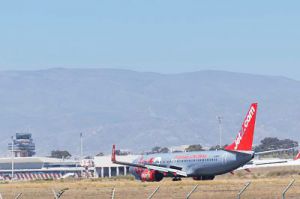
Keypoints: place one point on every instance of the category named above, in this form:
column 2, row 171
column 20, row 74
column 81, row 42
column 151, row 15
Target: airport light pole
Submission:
column 220, row 130
column 81, row 146
column 12, row 158
column 81, row 152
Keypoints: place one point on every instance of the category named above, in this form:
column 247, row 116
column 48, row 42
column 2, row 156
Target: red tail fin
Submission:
column 113, row 154
column 297, row 156
column 244, row 139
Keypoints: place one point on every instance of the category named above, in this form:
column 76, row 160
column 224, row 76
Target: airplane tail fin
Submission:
column 297, row 156
column 113, row 154
column 244, row 139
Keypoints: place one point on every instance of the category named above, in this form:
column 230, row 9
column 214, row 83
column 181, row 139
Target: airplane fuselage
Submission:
column 196, row 164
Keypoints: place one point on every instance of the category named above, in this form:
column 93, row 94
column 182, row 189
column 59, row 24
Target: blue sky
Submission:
column 169, row 36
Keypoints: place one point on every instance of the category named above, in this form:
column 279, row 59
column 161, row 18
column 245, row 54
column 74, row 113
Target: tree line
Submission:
column 267, row 144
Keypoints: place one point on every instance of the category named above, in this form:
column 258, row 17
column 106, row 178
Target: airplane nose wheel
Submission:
column 176, row 179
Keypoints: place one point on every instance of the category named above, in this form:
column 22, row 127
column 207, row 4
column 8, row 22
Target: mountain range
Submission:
column 140, row 110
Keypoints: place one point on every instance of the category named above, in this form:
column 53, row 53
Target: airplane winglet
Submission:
column 113, row 154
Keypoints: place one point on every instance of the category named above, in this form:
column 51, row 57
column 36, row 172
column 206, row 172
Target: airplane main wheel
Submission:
column 176, row 179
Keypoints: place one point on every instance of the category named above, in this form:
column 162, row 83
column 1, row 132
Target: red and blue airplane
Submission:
column 200, row 165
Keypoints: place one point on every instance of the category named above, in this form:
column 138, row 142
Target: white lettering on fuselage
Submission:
column 244, row 128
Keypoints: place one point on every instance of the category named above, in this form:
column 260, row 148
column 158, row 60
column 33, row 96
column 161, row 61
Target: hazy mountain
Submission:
column 138, row 110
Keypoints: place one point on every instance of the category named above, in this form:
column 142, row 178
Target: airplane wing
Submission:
column 161, row 169
column 263, row 163
column 167, row 170
column 271, row 163
column 272, row 151
column 268, row 162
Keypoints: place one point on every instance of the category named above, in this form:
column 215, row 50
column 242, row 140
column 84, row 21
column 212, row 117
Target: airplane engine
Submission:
column 204, row 177
column 151, row 176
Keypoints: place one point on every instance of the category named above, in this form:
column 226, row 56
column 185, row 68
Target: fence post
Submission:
column 18, row 196
column 60, row 193
column 191, row 192
column 153, row 193
column 287, row 188
column 113, row 193
column 243, row 190
column 1, row 196
column 54, row 193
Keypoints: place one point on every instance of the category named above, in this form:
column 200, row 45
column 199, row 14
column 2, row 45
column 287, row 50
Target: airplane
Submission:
column 200, row 165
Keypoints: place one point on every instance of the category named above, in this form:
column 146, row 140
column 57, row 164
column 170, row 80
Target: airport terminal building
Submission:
column 103, row 167
column 23, row 165
column 35, row 168
column 44, row 168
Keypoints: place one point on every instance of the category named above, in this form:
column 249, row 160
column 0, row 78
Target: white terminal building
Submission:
column 103, row 167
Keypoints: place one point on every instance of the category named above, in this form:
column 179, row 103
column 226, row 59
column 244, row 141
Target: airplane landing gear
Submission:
column 176, row 179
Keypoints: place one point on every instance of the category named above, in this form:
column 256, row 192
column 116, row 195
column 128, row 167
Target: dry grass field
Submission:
column 266, row 184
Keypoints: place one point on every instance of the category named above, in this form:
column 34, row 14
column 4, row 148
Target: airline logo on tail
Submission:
column 249, row 117
column 244, row 139
column 245, row 126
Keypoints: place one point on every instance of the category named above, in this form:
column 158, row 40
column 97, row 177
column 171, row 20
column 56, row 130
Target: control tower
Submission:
column 23, row 145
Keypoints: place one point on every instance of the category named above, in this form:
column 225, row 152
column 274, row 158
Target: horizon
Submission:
column 146, row 71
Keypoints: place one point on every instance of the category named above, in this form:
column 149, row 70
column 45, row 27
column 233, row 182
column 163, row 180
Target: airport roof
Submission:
column 21, row 163
column 34, row 160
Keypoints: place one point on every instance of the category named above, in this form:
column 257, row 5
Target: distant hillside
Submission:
column 138, row 110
